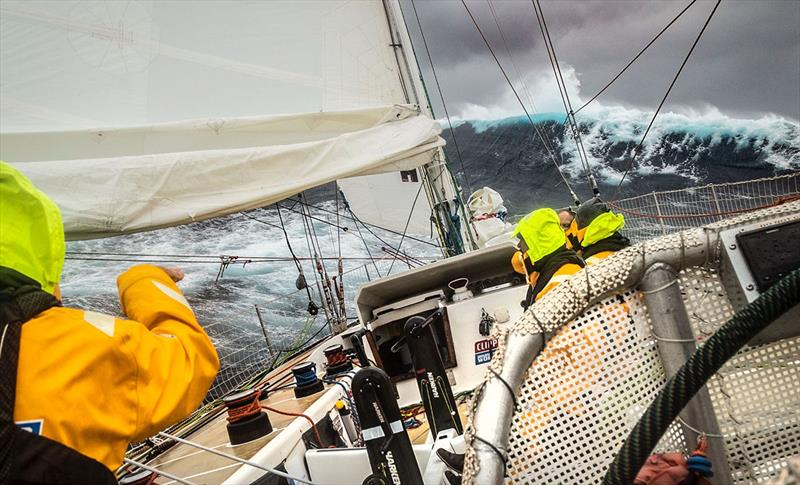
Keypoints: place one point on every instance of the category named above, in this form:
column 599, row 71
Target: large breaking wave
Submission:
column 681, row 150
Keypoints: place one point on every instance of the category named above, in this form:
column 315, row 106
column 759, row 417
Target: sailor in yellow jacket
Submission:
column 595, row 232
column 543, row 256
column 90, row 381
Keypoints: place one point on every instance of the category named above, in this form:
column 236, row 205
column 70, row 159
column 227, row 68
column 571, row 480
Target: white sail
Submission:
column 149, row 178
column 75, row 73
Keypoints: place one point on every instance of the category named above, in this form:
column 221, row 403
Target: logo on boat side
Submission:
column 484, row 350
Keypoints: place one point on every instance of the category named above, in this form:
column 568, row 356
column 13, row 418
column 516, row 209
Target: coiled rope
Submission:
column 703, row 364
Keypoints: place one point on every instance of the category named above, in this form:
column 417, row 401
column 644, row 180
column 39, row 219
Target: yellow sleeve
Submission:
column 176, row 361
column 560, row 275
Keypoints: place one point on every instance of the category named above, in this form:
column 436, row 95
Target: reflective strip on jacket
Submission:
column 596, row 258
column 98, row 383
column 561, row 274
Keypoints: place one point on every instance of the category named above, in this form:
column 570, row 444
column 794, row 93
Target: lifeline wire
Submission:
column 236, row 458
column 655, row 115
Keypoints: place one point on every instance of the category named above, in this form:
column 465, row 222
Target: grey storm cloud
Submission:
column 747, row 63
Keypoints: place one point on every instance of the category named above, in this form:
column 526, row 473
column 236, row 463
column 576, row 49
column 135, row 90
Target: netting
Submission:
column 244, row 349
column 598, row 372
column 660, row 213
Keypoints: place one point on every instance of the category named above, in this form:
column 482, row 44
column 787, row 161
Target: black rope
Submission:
column 360, row 235
column 301, row 276
column 444, row 104
column 637, row 56
column 494, row 448
column 519, row 100
column 282, row 227
column 692, row 376
column 664, row 99
column 508, row 386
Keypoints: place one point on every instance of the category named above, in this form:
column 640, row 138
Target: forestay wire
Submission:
column 519, row 100
column 562, row 91
column 629, row 64
column 441, row 96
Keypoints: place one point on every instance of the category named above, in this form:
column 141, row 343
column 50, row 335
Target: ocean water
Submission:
column 681, row 151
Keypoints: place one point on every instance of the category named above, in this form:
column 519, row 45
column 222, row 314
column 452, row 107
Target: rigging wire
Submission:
column 361, row 235
column 444, row 104
column 511, row 57
column 340, row 269
column 514, row 90
column 652, row 41
column 313, row 254
column 664, row 99
column 405, row 229
column 366, row 225
column 545, row 141
column 562, row 90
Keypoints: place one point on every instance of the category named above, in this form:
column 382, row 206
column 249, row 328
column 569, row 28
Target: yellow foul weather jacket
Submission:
column 97, row 383
column 544, row 240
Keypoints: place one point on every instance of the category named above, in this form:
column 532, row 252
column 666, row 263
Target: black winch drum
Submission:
column 250, row 428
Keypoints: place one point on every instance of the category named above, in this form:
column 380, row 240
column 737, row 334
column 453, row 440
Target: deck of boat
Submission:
column 194, row 464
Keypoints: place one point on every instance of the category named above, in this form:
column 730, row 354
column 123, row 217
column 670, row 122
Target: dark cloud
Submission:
column 747, row 63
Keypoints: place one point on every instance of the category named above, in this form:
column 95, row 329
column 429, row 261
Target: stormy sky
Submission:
column 747, row 63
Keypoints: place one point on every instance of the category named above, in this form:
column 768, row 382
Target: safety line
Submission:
column 156, row 470
column 235, row 458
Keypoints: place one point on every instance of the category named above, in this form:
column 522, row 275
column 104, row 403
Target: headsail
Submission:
column 103, row 84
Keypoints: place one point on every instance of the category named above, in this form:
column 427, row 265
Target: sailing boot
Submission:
column 454, row 461
column 452, row 478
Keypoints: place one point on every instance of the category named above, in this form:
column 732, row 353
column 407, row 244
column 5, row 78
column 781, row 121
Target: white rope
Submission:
column 675, row 340
column 699, row 431
column 155, row 470
column 236, row 458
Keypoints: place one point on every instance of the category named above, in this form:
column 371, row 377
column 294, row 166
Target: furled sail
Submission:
column 92, row 91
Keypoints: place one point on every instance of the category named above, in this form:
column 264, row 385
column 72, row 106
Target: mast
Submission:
column 443, row 192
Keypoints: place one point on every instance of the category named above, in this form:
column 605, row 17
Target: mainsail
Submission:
column 93, row 94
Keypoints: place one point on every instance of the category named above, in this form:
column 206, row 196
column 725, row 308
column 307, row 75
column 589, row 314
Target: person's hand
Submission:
column 174, row 272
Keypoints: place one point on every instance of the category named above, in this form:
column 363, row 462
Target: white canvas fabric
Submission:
column 104, row 84
column 143, row 186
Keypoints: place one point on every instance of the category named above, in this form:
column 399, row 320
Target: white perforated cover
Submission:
column 599, row 371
